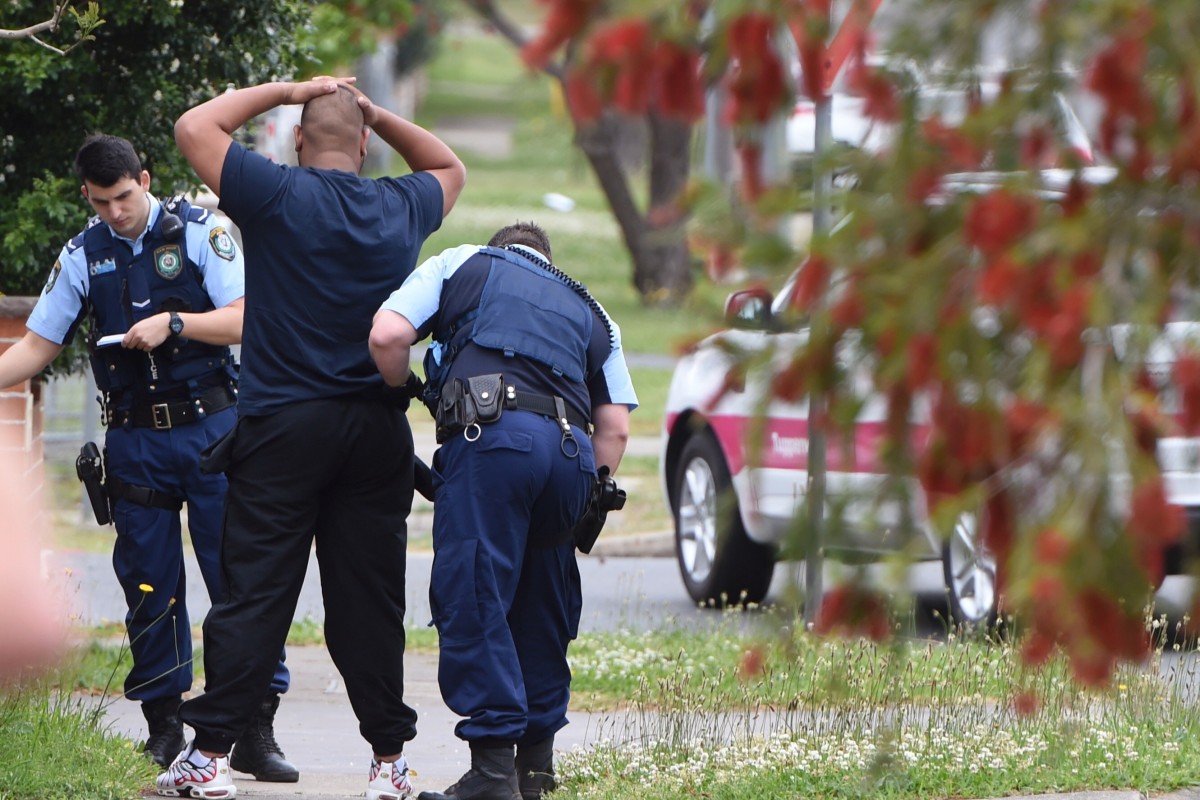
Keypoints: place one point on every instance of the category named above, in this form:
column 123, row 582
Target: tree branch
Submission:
column 33, row 30
column 509, row 30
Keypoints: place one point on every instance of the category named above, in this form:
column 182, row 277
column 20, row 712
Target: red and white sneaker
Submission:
column 389, row 781
column 187, row 779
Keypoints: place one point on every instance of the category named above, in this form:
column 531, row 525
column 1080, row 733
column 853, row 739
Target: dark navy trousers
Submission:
column 148, row 553
column 506, row 607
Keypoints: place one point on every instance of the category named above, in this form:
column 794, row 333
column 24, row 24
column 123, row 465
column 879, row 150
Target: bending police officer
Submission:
column 523, row 363
column 169, row 283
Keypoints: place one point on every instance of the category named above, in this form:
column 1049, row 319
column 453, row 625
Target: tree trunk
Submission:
column 657, row 243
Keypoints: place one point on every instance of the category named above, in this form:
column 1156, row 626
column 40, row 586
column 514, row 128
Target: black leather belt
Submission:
column 544, row 405
column 164, row 416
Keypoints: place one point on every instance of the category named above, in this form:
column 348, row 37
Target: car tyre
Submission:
column 719, row 563
column 969, row 569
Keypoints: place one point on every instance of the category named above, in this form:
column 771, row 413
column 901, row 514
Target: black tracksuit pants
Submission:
column 339, row 471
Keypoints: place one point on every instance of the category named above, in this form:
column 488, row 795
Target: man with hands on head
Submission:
column 164, row 283
column 322, row 450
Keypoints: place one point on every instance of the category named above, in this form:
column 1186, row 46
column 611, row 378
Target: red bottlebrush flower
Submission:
column 1187, row 380
column 1051, row 547
column 958, row 152
column 877, row 91
column 1086, row 264
column 752, row 663
column 734, row 381
column 789, row 384
column 1000, row 280
column 1026, row 704
column 678, row 90
column 1151, row 517
column 1116, row 76
column 565, row 20
column 1077, row 197
column 999, row 526
column 922, row 184
column 1102, row 615
column 1093, row 668
column 853, row 611
column 811, row 284
column 582, row 98
column 850, row 310
column 720, row 262
column 1064, row 337
column 750, row 157
column 756, row 84
column 939, row 476
column 899, row 406
column 998, row 219
column 1047, row 591
column 1151, row 558
column 1024, row 419
column 1036, row 649
column 922, row 360
column 1036, row 148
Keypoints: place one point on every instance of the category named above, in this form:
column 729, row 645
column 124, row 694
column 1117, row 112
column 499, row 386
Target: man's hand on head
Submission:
column 301, row 93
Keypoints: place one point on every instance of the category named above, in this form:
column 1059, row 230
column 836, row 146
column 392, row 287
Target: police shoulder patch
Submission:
column 168, row 261
column 54, row 272
column 222, row 243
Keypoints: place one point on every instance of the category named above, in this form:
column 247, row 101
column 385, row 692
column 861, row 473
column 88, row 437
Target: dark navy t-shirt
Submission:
column 323, row 249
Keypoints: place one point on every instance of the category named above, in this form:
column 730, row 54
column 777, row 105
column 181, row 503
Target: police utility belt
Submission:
column 464, row 406
column 171, row 414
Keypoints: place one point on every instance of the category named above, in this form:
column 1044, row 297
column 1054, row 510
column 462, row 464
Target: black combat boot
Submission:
column 165, row 738
column 535, row 769
column 256, row 751
column 492, row 776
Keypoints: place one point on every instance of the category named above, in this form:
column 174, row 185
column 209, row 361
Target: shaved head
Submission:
column 333, row 121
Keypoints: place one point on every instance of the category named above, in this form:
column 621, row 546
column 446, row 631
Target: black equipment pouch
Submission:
column 218, row 456
column 606, row 497
column 464, row 407
column 485, row 392
column 89, row 467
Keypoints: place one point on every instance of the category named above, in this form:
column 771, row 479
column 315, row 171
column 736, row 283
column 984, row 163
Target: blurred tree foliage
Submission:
column 149, row 62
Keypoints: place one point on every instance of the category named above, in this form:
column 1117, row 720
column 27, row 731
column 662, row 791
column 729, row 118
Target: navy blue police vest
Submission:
column 524, row 309
column 124, row 289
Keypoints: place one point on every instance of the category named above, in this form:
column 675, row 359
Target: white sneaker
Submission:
column 185, row 779
column 389, row 781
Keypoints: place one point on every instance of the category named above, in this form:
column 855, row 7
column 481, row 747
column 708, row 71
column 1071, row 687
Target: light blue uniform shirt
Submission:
column 64, row 298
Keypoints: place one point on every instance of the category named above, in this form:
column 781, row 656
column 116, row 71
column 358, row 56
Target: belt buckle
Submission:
column 160, row 414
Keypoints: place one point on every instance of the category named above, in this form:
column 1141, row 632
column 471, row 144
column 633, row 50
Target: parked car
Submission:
column 734, row 500
column 851, row 128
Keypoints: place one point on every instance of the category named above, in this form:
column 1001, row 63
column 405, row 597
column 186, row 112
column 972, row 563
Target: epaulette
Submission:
column 77, row 241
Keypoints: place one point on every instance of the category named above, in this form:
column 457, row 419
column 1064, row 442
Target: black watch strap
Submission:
column 176, row 323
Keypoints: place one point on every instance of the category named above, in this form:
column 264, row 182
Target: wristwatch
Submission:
column 176, row 323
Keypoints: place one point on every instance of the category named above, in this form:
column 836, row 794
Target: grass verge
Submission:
column 719, row 714
column 54, row 747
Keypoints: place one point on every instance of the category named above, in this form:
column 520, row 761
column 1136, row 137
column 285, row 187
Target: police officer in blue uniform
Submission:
column 162, row 289
column 524, row 365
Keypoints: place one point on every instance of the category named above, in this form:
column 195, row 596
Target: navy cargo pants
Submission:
column 506, row 606
column 149, row 548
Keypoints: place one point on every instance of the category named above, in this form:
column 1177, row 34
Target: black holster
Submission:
column 606, row 497
column 89, row 467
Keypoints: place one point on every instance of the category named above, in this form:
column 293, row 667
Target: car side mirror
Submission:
column 749, row 309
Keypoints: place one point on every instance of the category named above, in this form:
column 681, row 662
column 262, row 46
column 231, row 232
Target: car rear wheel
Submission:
column 719, row 563
column 970, row 573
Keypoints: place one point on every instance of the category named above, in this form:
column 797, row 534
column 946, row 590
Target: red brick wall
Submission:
column 21, row 410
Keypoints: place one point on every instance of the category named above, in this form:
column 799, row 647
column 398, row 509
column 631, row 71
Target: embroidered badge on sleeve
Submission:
column 222, row 243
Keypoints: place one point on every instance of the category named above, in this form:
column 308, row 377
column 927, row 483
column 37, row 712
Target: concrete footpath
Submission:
column 317, row 730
